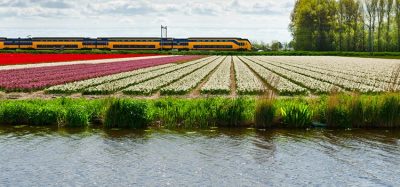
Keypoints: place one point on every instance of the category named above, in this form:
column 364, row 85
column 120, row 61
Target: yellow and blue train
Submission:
column 126, row 43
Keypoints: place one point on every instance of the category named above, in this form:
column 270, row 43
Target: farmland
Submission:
column 213, row 75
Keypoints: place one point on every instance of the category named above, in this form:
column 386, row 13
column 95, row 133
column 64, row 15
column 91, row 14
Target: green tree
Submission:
column 397, row 11
column 276, row 46
column 389, row 9
column 313, row 24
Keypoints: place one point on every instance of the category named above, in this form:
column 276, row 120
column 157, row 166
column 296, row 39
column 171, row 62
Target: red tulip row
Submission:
column 41, row 77
column 23, row 58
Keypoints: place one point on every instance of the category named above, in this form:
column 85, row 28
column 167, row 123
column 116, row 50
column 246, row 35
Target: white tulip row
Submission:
column 337, row 80
column 356, row 82
column 311, row 83
column 373, row 72
column 190, row 81
column 152, row 85
column 80, row 85
column 282, row 85
column 113, row 86
column 246, row 81
column 220, row 80
column 355, row 76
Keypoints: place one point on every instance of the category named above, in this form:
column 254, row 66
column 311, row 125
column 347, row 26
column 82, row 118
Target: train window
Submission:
column 134, row 46
column 213, row 46
column 57, row 46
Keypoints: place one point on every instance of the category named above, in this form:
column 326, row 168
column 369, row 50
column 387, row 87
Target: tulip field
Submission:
column 209, row 75
column 23, row 58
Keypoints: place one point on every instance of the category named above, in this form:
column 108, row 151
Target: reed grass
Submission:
column 265, row 112
column 201, row 113
column 124, row 113
column 296, row 114
column 335, row 111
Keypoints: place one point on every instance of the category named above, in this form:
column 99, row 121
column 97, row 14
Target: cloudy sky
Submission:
column 261, row 20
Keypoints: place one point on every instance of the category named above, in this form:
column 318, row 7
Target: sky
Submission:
column 257, row 20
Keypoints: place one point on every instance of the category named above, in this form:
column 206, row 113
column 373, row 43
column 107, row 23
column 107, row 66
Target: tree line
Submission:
column 346, row 25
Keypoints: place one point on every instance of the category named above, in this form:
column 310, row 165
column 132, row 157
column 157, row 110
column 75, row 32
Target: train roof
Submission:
column 216, row 38
column 122, row 38
column 58, row 38
column 125, row 38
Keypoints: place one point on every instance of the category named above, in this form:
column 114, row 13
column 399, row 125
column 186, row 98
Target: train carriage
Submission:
column 2, row 43
column 238, row 44
column 126, row 43
column 133, row 43
column 57, row 43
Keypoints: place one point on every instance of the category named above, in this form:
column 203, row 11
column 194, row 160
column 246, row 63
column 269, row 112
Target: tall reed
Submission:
column 265, row 112
column 124, row 113
column 296, row 114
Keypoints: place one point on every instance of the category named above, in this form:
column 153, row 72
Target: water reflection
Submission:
column 40, row 156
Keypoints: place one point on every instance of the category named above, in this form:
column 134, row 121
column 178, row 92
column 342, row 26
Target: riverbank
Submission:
column 386, row 55
column 334, row 111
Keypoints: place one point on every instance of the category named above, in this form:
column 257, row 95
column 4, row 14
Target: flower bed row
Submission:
column 38, row 78
column 220, row 80
column 152, row 85
column 24, row 58
column 187, row 83
column 246, row 81
column 281, row 85
column 113, row 86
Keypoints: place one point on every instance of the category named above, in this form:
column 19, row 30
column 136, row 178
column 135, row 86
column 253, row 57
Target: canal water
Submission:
column 39, row 156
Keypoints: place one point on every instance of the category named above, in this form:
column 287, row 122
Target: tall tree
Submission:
column 351, row 16
column 381, row 16
column 389, row 8
column 371, row 8
column 340, row 25
column 397, row 11
column 363, row 27
column 313, row 23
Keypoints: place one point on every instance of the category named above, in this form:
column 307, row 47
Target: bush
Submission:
column 127, row 114
column 265, row 113
column 47, row 115
column 17, row 114
column 390, row 111
column 231, row 112
column 77, row 116
column 297, row 115
column 201, row 113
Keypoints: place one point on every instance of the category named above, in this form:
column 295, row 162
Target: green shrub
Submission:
column 231, row 112
column 77, row 116
column 201, row 113
column 127, row 114
column 47, row 115
column 17, row 114
column 296, row 114
column 265, row 113
column 390, row 111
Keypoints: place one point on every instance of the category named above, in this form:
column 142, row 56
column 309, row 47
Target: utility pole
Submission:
column 166, row 35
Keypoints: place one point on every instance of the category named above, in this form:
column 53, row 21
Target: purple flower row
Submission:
column 41, row 77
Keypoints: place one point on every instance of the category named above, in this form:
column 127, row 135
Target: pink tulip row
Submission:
column 37, row 78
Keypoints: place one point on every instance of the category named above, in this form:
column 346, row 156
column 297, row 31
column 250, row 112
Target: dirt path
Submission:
column 233, row 80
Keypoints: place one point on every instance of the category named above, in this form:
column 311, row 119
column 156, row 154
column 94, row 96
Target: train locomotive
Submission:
column 126, row 43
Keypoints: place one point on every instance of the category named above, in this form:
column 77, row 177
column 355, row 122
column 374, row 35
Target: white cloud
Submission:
column 256, row 19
